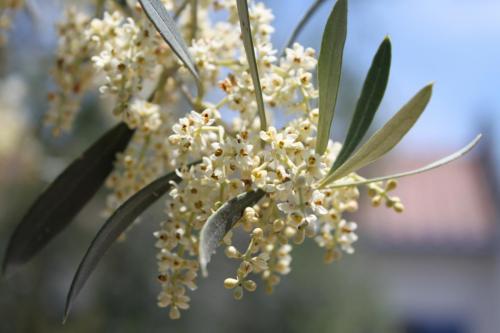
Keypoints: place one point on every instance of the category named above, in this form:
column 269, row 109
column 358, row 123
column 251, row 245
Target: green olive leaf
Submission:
column 56, row 207
column 121, row 219
column 220, row 222
column 158, row 15
column 329, row 71
column 386, row 138
column 368, row 102
column 428, row 167
column 252, row 61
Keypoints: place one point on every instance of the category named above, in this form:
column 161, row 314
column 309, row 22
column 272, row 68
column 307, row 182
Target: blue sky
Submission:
column 454, row 43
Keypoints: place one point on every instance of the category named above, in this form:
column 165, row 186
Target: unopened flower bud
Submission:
column 250, row 285
column 250, row 215
column 299, row 236
column 232, row 252
column 230, row 283
column 258, row 233
column 398, row 207
column 331, row 255
column 244, row 269
column 274, row 279
column 238, row 293
column 391, row 185
column 351, row 206
column 376, row 201
column 174, row 313
column 372, row 192
column 278, row 225
column 389, row 203
column 290, row 232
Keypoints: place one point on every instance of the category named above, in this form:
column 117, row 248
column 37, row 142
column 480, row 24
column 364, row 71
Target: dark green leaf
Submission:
column 165, row 24
column 305, row 19
column 428, row 167
column 252, row 62
column 385, row 138
column 329, row 70
column 220, row 222
column 121, row 219
column 65, row 197
column 369, row 101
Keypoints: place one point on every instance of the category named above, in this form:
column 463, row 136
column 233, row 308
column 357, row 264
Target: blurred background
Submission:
column 433, row 269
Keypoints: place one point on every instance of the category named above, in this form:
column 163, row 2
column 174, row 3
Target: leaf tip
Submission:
column 429, row 88
column 67, row 308
column 386, row 45
column 426, row 92
column 204, row 271
column 476, row 140
column 204, row 258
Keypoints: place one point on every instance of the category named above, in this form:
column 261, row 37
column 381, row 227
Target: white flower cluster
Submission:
column 127, row 52
column 235, row 156
column 72, row 73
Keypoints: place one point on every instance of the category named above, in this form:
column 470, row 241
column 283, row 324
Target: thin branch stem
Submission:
column 309, row 14
column 194, row 19
column 99, row 8
column 165, row 74
column 181, row 8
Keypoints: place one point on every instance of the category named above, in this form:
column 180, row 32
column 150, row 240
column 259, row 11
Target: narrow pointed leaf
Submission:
column 165, row 24
column 65, row 197
column 428, row 167
column 329, row 70
column 369, row 101
column 220, row 222
column 121, row 219
column 303, row 22
column 252, row 61
column 386, row 138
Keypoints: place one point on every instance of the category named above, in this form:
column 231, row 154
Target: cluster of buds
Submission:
column 122, row 53
column 379, row 193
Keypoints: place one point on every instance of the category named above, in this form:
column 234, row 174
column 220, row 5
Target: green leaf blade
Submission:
column 386, row 138
column 252, row 60
column 436, row 164
column 165, row 24
column 56, row 207
column 329, row 71
column 121, row 219
column 220, row 222
column 368, row 102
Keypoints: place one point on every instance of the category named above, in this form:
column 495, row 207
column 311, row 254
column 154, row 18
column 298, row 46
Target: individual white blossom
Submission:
column 143, row 115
